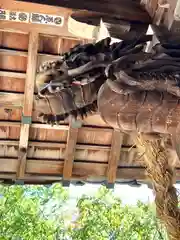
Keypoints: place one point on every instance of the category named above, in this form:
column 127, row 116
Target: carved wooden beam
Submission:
column 123, row 9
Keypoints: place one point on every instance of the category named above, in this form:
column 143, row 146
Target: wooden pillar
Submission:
column 28, row 103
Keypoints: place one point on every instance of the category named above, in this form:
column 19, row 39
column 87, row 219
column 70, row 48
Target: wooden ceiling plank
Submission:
column 28, row 102
column 55, row 127
column 34, row 125
column 52, row 145
column 13, row 52
column 12, row 74
column 80, row 170
column 69, row 155
column 114, row 156
column 11, row 100
column 41, row 56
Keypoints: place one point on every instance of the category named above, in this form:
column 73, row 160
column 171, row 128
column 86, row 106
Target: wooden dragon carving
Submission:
column 132, row 90
column 145, row 97
column 69, row 87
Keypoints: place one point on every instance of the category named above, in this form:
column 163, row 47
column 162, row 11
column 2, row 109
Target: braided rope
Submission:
column 161, row 173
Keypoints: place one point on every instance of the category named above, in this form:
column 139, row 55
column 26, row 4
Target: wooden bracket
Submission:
column 109, row 185
column 26, row 120
column 66, row 183
column 18, row 182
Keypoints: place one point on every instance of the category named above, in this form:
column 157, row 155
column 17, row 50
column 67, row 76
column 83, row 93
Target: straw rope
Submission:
column 161, row 172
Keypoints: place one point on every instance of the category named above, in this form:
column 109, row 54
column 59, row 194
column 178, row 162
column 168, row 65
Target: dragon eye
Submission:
column 60, row 72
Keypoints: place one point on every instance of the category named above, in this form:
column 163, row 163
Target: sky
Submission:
column 128, row 195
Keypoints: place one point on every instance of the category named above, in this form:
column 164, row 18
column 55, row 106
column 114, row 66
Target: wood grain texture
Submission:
column 40, row 8
column 70, row 152
column 12, row 74
column 12, row 84
column 31, row 74
column 11, row 100
column 125, row 9
column 80, row 170
column 114, row 156
column 13, row 63
column 12, row 39
column 28, row 101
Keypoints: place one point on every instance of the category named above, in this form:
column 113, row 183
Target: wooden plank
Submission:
column 28, row 102
column 124, row 9
column 137, row 173
column 34, row 125
column 51, row 145
column 13, row 52
column 8, row 165
column 114, row 156
column 80, row 170
column 7, row 176
column 11, row 100
column 41, row 56
column 48, row 126
column 70, row 152
column 22, row 153
column 12, row 74
column 55, row 127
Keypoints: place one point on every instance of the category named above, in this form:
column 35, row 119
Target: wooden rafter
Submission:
column 81, row 170
column 114, row 157
column 52, row 145
column 28, row 102
column 122, row 9
column 56, row 127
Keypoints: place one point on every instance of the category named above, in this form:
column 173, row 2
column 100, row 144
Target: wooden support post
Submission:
column 69, row 156
column 28, row 103
column 114, row 157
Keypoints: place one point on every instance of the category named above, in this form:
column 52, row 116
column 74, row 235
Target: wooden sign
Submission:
column 25, row 17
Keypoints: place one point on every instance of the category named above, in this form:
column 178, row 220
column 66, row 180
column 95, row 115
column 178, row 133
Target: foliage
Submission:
column 104, row 218
column 40, row 212
column 22, row 212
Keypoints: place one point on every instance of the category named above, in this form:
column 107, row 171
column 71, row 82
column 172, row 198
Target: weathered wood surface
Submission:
column 27, row 102
column 124, row 9
column 165, row 14
column 47, row 158
column 70, row 153
column 114, row 156
column 32, row 7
